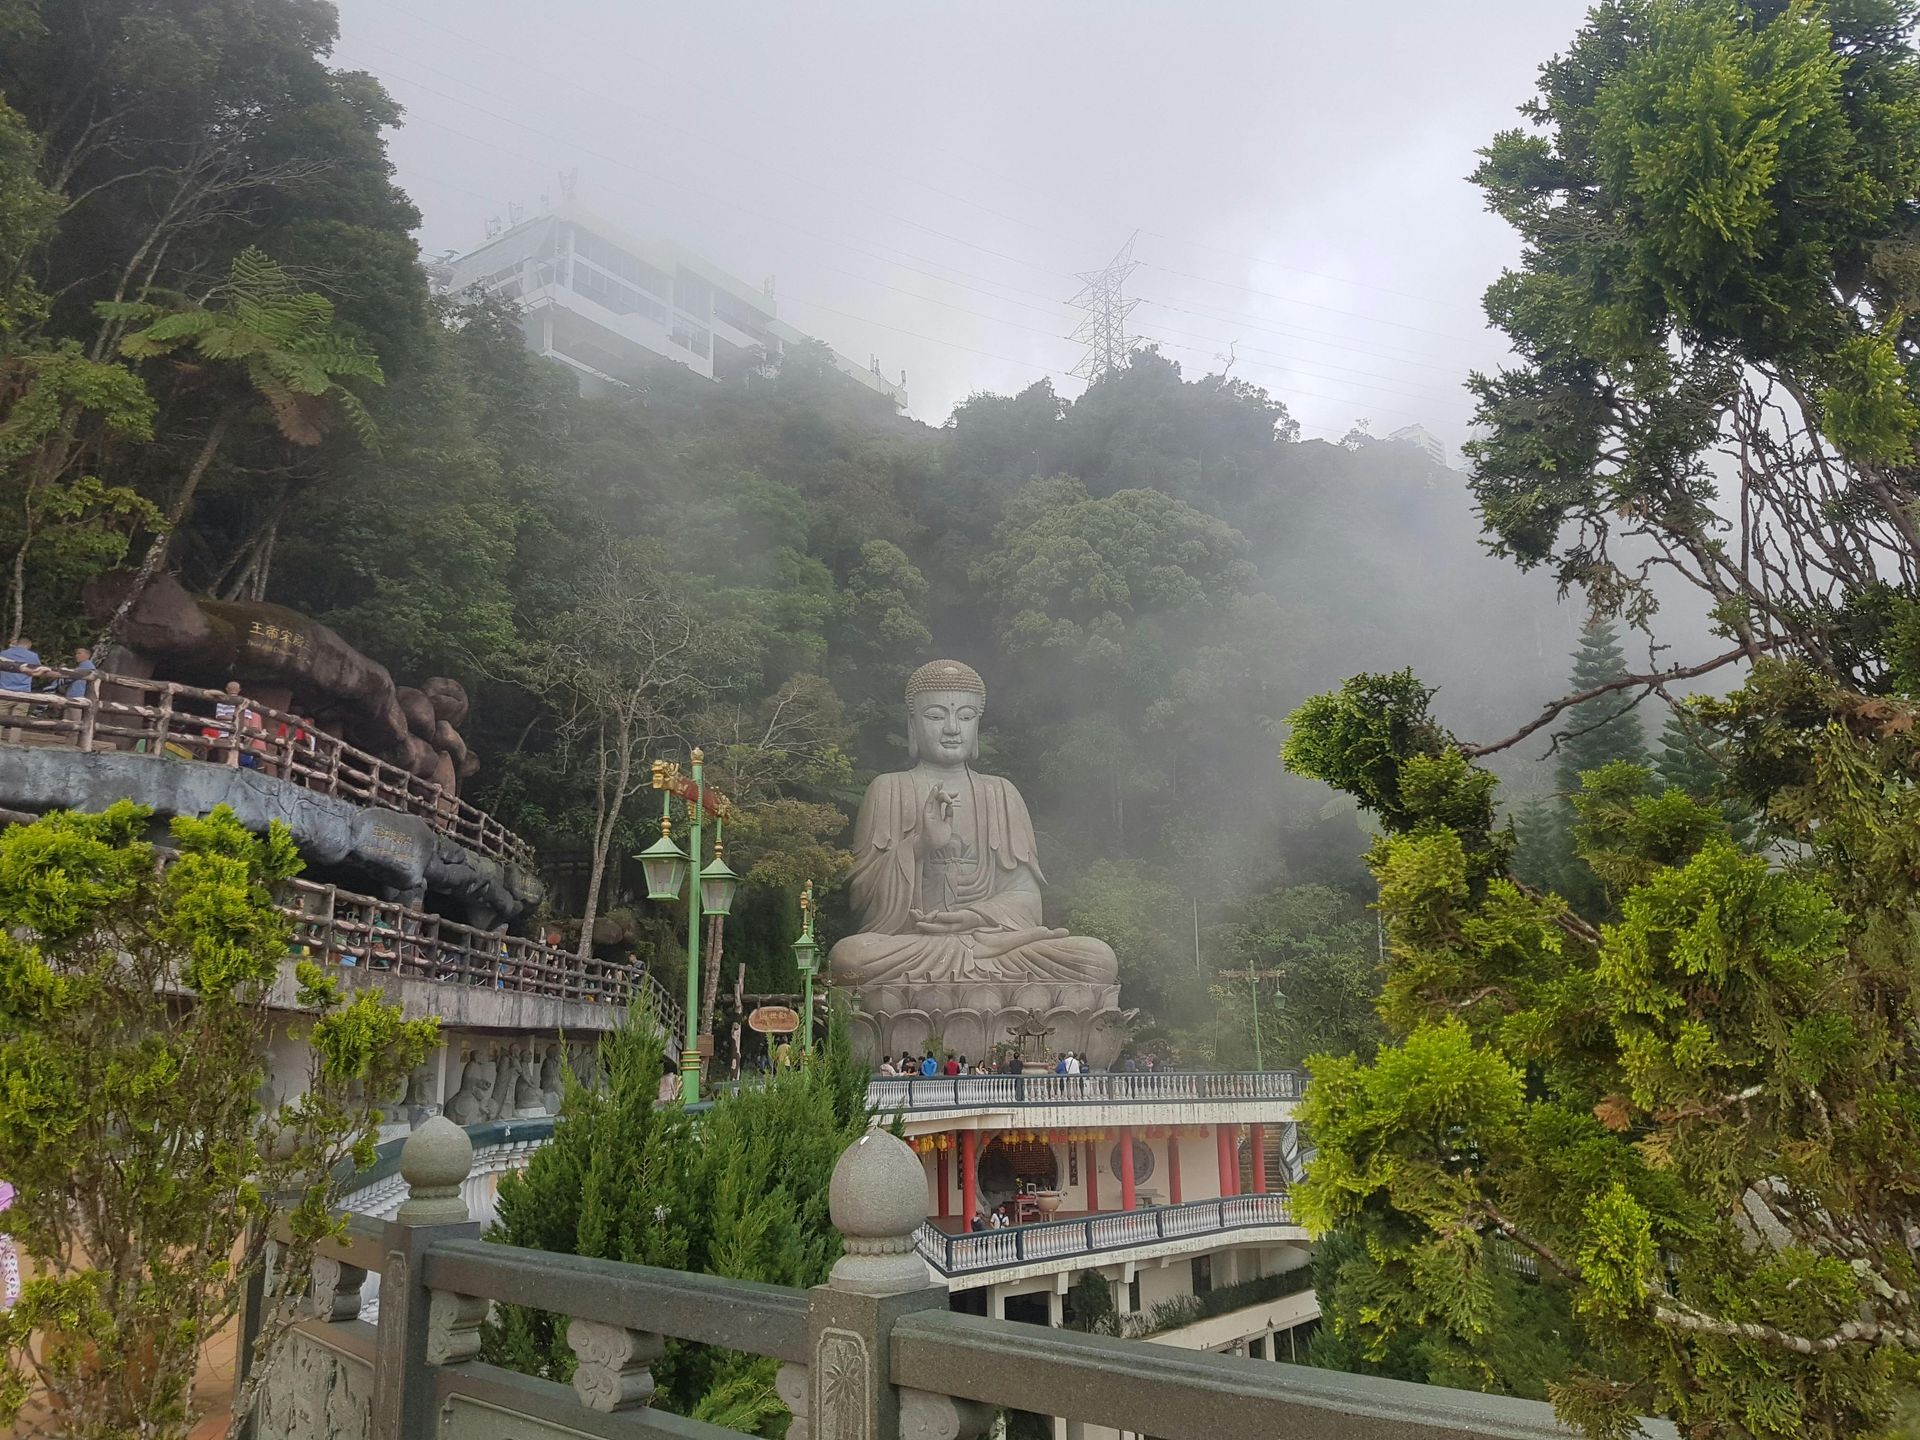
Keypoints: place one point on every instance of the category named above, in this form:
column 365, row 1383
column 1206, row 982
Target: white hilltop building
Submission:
column 608, row 303
column 1430, row 444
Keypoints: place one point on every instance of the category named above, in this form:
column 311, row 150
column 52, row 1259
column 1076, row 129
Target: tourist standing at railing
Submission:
column 80, row 673
column 231, row 717
column 17, row 679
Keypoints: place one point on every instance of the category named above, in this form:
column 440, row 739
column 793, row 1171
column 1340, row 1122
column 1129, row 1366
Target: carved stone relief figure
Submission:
column 473, row 1101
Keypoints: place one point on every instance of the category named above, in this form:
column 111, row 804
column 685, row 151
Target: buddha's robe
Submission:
column 990, row 867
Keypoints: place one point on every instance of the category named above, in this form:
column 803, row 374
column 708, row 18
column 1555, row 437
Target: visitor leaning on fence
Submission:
column 16, row 678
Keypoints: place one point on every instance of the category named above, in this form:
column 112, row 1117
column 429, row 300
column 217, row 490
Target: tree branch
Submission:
column 1854, row 1332
column 1651, row 682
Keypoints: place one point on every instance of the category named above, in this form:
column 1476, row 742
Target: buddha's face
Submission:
column 945, row 727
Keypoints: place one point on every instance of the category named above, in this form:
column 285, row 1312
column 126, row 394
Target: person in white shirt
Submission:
column 1073, row 1064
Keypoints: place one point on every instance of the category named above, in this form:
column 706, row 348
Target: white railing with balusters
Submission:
column 985, row 1250
column 969, row 1092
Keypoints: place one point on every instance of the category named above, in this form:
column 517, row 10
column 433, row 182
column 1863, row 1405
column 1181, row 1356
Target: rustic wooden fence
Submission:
column 168, row 721
column 337, row 927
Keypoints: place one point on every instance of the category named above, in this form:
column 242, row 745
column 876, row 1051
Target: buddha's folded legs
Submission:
column 1039, row 954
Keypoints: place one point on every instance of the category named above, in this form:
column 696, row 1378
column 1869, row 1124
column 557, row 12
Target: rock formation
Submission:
column 201, row 641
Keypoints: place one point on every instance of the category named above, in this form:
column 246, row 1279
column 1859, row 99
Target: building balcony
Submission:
column 1197, row 1225
column 1048, row 1101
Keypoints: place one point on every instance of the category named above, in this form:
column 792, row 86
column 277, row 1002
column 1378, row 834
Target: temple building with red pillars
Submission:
column 1166, row 1192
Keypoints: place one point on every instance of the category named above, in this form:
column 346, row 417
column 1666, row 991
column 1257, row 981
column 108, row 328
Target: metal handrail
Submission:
column 166, row 720
column 337, row 927
column 1152, row 1086
column 1095, row 1234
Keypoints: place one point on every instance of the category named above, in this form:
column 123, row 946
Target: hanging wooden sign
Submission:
column 774, row 1020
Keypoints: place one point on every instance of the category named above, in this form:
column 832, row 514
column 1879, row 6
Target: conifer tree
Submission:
column 1692, row 758
column 1593, row 734
column 740, row 1191
column 1607, row 728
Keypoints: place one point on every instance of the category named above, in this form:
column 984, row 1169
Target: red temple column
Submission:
column 1093, row 1176
column 1257, row 1142
column 969, row 1178
column 940, row 1179
column 1173, row 1167
column 1126, row 1168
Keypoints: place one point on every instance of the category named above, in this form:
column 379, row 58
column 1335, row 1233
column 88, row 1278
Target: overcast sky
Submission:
column 923, row 180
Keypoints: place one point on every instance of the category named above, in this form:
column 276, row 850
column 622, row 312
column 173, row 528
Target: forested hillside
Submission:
column 1151, row 575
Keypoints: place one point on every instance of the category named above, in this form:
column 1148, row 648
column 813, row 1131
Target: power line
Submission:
column 1310, row 304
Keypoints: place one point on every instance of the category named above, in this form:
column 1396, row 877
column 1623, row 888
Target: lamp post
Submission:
column 666, row 867
column 806, row 954
column 1254, row 977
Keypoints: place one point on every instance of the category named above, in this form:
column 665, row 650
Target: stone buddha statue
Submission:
column 946, row 893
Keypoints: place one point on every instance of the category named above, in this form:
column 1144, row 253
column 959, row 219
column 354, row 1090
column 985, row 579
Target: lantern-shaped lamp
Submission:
column 806, row 953
column 717, row 884
column 665, row 864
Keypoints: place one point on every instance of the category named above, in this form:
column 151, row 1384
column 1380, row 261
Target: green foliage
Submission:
column 282, row 340
column 1072, row 572
column 145, row 1153
column 1693, row 758
column 1714, row 201
column 1680, row 1118
column 739, row 1190
column 1593, row 735
column 1319, row 955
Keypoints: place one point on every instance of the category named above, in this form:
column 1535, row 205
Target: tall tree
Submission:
column 616, row 671
column 1698, row 1118
column 1607, row 728
column 259, row 339
column 1716, row 202
column 1594, row 733
column 1694, row 759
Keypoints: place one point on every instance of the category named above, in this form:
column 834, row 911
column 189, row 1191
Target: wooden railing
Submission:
column 165, row 720
column 337, row 927
column 1094, row 1235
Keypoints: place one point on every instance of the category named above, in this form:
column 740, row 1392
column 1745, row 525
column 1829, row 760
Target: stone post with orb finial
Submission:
column 418, row 1328
column 878, row 1199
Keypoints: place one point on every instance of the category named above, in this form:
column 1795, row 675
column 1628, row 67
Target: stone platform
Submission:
column 970, row 1018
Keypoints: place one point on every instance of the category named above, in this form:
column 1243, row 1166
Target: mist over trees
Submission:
column 1151, row 575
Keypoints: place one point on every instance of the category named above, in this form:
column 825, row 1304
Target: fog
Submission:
column 923, row 184
column 925, row 181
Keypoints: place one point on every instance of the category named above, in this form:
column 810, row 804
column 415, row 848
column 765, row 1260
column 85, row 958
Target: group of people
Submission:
column 23, row 667
column 994, row 1219
column 927, row 1067
column 1065, row 1062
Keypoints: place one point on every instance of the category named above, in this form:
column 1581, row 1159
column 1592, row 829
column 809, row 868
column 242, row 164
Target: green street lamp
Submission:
column 717, row 881
column 667, row 866
column 806, row 954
